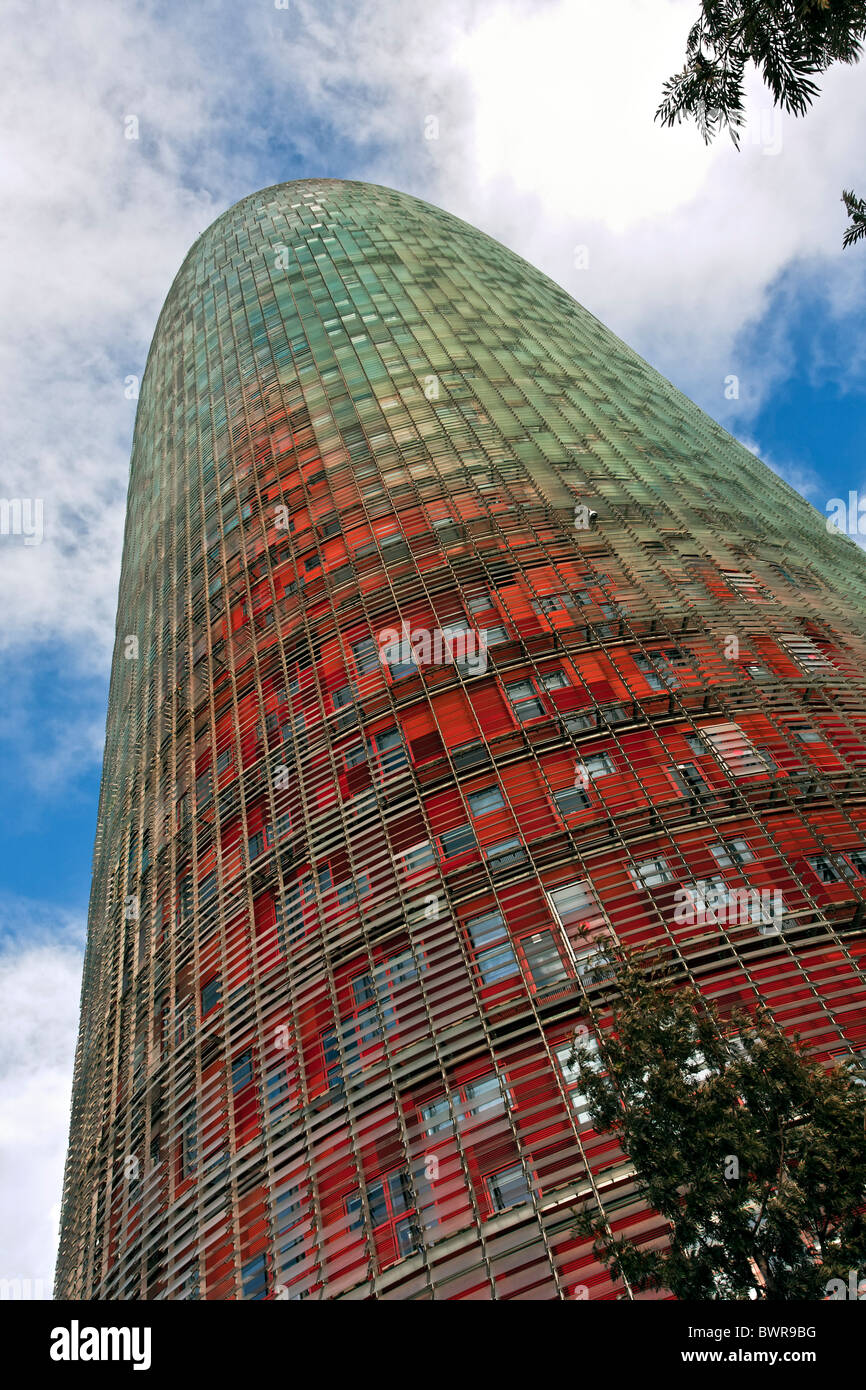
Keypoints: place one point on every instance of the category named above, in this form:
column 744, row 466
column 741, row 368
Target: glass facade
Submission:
column 454, row 645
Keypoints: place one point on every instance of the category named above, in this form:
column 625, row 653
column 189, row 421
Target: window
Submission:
column 806, row 734
column 571, row 799
column 242, row 1071
column 616, row 714
column 366, row 654
column 579, row 723
column 567, row 1060
column 342, row 697
column 354, row 755
column 401, row 659
column 331, row 1058
column 351, row 889
column 659, row 668
column 395, row 544
column 765, row 763
column 487, row 799
column 374, row 1002
column 256, row 845
column 543, row 959
column 203, row 789
column 708, row 897
column 555, row 680
column 492, row 945
column 457, row 841
column 555, row 603
column 461, row 644
column 598, row 765
column 493, row 636
column 189, row 1289
column 594, row 964
column 418, row 856
column 508, row 1188
column 651, row 873
column 505, row 854
column 688, row 780
column 276, row 1089
column 210, row 995
column 807, row 653
column 548, row 603
column 648, row 671
column 184, row 1022
column 288, row 1216
column 572, row 903
column 437, row 1115
column 824, row 868
column 390, row 978
column 184, row 898
column 392, row 1206
column 363, row 1027
column 189, row 1141
column 344, row 700
column 482, row 1096
column 734, row 751
column 468, row 755
column 224, row 760
column 524, row 701
column 480, row 603
column 732, row 853
column 677, row 656
column 255, row 1278
column 388, row 748
column 299, row 895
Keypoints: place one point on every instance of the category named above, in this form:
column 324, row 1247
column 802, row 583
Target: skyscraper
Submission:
column 454, row 645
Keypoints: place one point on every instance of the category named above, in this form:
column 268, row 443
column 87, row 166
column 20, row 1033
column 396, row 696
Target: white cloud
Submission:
column 40, row 978
column 92, row 229
column 685, row 242
column 547, row 141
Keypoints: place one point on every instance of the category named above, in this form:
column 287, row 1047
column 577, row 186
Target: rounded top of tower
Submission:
column 303, row 217
column 297, row 198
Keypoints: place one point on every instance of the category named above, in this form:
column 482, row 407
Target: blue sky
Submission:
column 709, row 262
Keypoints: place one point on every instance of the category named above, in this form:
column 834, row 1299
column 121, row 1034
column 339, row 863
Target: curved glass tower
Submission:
column 453, row 645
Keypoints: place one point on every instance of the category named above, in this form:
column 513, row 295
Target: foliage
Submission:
column 754, row 1155
column 790, row 43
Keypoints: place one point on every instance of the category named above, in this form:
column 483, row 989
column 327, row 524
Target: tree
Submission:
column 753, row 1154
column 857, row 212
column 789, row 41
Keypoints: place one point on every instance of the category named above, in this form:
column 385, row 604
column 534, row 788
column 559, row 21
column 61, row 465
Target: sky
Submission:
column 723, row 268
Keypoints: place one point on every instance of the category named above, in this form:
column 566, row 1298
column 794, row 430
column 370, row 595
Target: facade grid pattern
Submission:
column 350, row 905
